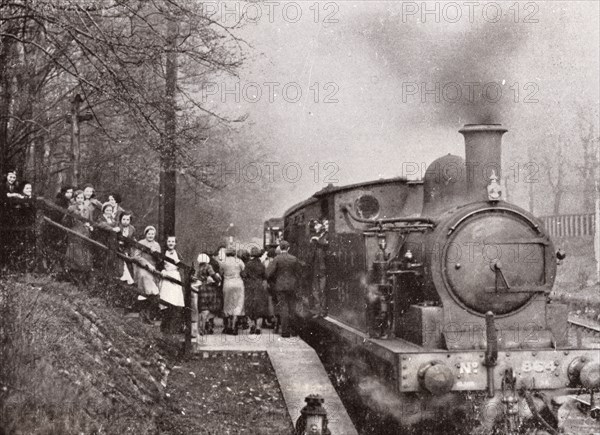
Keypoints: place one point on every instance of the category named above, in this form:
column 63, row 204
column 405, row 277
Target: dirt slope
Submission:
column 70, row 364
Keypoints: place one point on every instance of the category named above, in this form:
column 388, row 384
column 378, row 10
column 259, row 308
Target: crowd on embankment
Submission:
column 251, row 290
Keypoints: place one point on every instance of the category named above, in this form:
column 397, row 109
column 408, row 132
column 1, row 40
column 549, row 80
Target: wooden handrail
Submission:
column 126, row 240
column 120, row 255
column 42, row 204
column 106, row 248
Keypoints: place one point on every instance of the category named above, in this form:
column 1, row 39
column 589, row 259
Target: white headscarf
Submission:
column 203, row 258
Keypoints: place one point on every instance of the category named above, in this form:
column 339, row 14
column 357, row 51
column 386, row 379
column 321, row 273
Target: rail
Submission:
column 36, row 217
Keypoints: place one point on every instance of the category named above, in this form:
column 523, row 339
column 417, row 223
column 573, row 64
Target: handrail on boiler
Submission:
column 416, row 221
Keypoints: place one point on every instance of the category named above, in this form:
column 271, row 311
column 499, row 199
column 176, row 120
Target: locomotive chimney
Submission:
column 483, row 157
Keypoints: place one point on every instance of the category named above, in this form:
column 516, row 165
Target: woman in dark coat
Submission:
column 78, row 251
column 257, row 302
column 64, row 198
column 53, row 238
column 107, row 227
column 127, row 231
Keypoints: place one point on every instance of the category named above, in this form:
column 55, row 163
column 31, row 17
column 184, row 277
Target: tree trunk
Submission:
column 557, row 200
column 5, row 98
column 168, row 174
column 73, row 178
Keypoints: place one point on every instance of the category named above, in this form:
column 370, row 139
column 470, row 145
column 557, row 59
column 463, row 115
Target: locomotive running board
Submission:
column 384, row 349
column 539, row 368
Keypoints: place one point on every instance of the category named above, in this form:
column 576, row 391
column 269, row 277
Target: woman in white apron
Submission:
column 172, row 315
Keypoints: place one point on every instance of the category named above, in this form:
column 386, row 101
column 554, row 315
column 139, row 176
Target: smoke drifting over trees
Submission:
column 380, row 87
column 463, row 73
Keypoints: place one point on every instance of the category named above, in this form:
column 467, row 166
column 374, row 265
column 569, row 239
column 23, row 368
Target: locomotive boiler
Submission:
column 444, row 289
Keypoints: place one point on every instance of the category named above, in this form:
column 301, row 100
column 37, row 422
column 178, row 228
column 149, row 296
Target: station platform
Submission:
column 298, row 369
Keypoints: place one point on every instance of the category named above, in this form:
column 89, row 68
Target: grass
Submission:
column 70, row 363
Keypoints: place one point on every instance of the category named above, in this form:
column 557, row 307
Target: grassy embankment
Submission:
column 72, row 364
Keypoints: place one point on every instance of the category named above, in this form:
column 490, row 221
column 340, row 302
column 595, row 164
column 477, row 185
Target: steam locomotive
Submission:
column 444, row 290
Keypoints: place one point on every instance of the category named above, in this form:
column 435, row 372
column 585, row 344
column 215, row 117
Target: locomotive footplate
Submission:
column 536, row 370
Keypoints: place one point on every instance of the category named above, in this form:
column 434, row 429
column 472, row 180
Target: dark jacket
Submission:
column 6, row 188
column 319, row 244
column 254, row 271
column 104, row 232
column 125, row 248
column 285, row 271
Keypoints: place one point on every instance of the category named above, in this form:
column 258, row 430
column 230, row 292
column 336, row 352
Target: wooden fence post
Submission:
column 39, row 256
column 187, row 275
column 188, row 309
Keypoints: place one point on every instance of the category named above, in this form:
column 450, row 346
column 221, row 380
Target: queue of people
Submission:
column 234, row 287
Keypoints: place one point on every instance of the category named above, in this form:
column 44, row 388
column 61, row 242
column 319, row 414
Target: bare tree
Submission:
column 588, row 166
column 134, row 61
column 555, row 169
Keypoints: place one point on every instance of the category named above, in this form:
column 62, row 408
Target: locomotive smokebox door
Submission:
column 494, row 260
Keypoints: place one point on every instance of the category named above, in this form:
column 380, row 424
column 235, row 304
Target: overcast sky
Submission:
column 531, row 67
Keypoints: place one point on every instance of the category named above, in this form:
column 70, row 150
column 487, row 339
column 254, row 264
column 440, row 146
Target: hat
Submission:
column 106, row 204
column 203, row 258
column 148, row 228
column 284, row 245
column 255, row 251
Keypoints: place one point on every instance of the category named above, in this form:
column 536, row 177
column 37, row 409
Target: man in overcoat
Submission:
column 285, row 271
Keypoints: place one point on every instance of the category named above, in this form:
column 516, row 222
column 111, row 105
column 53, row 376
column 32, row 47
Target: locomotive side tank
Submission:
column 350, row 252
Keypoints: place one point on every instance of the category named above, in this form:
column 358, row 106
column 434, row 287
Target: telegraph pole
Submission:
column 75, row 118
